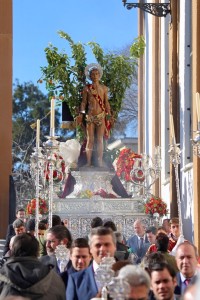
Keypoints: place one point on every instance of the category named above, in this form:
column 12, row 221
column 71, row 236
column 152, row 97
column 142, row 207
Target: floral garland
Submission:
column 155, row 205
column 89, row 194
column 31, row 206
column 125, row 163
column 85, row 194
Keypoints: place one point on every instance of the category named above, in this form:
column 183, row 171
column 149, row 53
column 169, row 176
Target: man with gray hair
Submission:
column 138, row 243
column 138, row 280
column 83, row 285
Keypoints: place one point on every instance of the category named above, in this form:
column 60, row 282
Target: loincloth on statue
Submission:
column 97, row 119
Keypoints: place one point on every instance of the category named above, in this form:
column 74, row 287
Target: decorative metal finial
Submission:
column 156, row 9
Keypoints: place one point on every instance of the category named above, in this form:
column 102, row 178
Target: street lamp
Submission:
column 156, row 9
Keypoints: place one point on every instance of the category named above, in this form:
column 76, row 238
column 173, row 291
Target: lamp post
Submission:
column 156, row 9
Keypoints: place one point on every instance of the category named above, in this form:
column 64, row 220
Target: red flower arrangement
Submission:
column 125, row 163
column 31, row 206
column 155, row 205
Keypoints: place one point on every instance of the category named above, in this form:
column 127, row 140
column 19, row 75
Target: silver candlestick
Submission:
column 104, row 275
column 146, row 171
column 51, row 146
column 175, row 159
column 36, row 167
column 62, row 255
column 118, row 288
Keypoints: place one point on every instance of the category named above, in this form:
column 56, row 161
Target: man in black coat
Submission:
column 20, row 214
column 80, row 258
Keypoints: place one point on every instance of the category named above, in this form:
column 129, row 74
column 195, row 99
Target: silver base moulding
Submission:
column 78, row 209
column 80, row 212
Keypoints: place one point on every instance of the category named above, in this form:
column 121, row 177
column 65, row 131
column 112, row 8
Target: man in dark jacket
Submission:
column 83, row 285
column 80, row 258
column 23, row 274
column 56, row 235
column 20, row 214
column 187, row 261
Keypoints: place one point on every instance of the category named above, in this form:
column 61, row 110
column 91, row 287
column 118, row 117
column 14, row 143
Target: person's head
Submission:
column 19, row 226
column 43, row 224
column 56, row 220
column 138, row 280
column 57, row 235
column 187, row 259
column 96, row 222
column 166, row 225
column 151, row 259
column 174, row 227
column 162, row 242
column 139, row 227
column 119, row 237
column 151, row 234
column 25, row 244
column 102, row 241
column 118, row 265
column 30, row 226
column 94, row 74
column 163, row 281
column 20, row 213
column 80, row 254
column 161, row 229
column 110, row 224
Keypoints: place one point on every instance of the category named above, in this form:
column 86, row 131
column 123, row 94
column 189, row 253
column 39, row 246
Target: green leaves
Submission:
column 138, row 47
column 65, row 78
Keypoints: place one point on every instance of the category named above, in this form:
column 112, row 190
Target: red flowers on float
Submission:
column 31, row 206
column 155, row 205
column 125, row 163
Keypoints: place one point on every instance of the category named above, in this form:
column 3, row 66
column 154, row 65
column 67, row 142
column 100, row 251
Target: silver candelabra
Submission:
column 175, row 159
column 45, row 163
column 145, row 172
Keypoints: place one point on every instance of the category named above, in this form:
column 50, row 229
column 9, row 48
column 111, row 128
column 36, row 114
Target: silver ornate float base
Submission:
column 79, row 212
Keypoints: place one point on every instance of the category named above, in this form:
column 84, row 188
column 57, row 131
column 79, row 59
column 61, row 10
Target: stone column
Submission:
column 174, row 96
column 5, row 110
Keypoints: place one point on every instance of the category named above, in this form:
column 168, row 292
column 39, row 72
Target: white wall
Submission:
column 186, row 174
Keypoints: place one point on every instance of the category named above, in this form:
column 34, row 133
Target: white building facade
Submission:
column 168, row 83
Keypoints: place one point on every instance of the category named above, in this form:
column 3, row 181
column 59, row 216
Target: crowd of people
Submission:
column 157, row 263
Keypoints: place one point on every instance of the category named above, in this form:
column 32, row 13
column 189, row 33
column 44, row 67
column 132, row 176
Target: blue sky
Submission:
column 36, row 22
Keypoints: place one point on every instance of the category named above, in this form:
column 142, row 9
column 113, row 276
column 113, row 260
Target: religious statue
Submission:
column 96, row 109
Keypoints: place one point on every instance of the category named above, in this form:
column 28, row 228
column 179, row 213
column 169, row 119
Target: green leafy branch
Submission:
column 64, row 75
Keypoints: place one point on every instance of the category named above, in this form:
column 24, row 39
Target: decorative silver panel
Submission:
column 80, row 212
